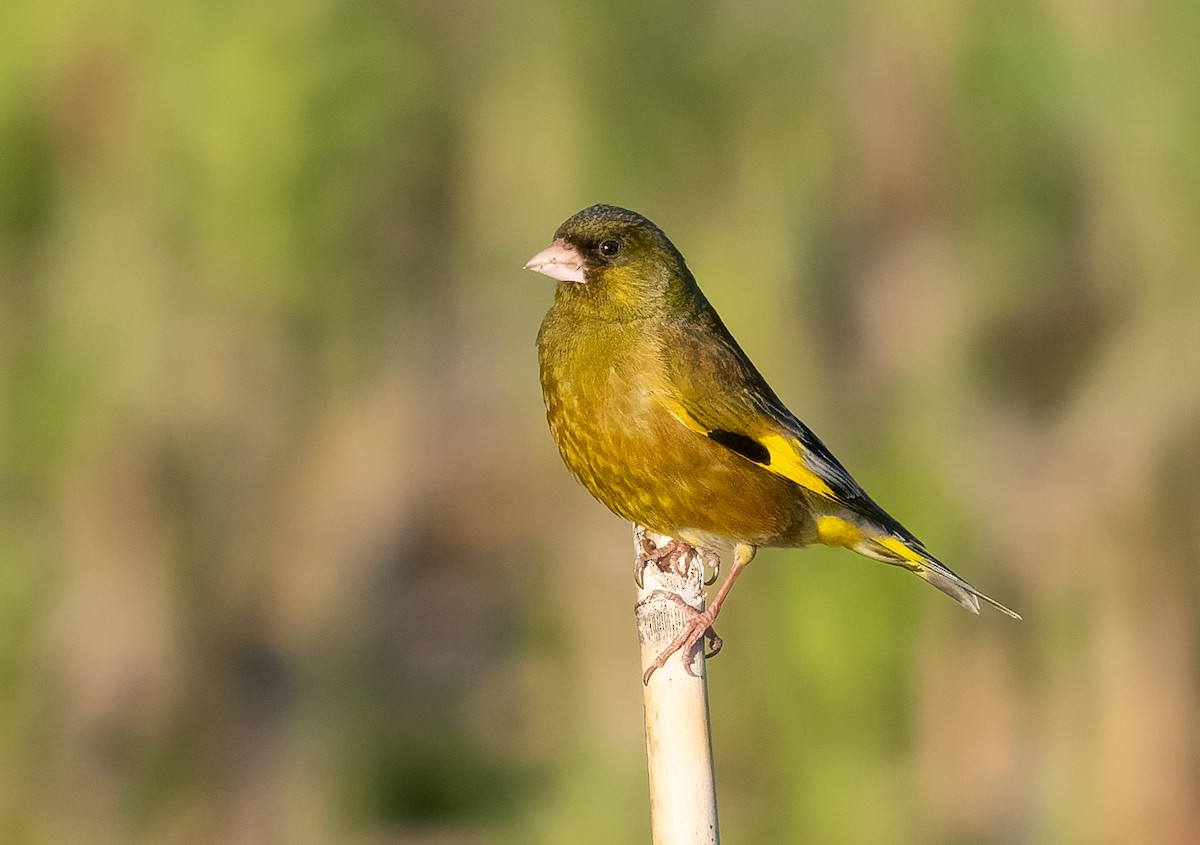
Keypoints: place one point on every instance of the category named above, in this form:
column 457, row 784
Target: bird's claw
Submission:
column 699, row 627
column 669, row 557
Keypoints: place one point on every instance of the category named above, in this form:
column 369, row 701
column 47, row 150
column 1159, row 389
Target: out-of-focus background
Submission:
column 287, row 554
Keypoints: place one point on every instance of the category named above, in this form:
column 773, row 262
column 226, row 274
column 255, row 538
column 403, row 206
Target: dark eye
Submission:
column 609, row 248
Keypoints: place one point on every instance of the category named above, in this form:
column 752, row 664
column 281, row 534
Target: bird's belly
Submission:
column 649, row 468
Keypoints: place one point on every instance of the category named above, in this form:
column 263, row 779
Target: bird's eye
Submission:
column 609, row 248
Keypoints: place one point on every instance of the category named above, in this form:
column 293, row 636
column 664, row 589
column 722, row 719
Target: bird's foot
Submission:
column 699, row 627
column 673, row 557
column 670, row 557
column 713, row 561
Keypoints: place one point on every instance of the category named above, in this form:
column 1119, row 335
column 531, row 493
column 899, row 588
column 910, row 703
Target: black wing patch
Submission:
column 745, row 446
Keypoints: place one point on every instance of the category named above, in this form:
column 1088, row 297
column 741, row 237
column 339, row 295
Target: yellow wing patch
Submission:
column 786, row 457
column 680, row 413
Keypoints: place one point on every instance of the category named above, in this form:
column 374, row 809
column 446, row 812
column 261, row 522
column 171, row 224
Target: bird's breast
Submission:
column 606, row 399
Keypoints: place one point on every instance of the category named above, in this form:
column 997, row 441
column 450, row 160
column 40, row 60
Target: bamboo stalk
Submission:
column 683, row 799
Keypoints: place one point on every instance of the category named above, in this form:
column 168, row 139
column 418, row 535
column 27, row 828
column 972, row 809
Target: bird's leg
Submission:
column 700, row 623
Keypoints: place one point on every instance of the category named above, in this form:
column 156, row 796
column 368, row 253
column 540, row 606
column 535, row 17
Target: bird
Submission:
column 659, row 413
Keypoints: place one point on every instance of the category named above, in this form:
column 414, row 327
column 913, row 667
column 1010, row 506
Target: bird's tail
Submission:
column 913, row 556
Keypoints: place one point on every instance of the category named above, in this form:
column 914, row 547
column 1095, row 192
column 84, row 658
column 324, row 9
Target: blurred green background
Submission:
column 287, row 554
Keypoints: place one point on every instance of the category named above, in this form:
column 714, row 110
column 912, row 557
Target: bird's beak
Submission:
column 559, row 261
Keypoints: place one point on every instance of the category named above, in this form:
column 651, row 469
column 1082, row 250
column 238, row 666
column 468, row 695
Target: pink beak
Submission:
column 559, row 261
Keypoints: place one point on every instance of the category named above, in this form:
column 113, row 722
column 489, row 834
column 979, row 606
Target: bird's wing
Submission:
column 716, row 391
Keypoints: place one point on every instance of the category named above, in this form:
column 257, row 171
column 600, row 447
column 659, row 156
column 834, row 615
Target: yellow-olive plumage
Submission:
column 657, row 410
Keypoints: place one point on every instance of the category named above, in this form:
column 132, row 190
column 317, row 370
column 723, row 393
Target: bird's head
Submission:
column 616, row 260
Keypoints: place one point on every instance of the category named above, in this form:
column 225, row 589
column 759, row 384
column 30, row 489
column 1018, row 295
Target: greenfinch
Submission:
column 664, row 419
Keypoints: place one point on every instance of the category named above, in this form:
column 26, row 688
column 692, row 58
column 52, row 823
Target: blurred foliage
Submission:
column 286, row 554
